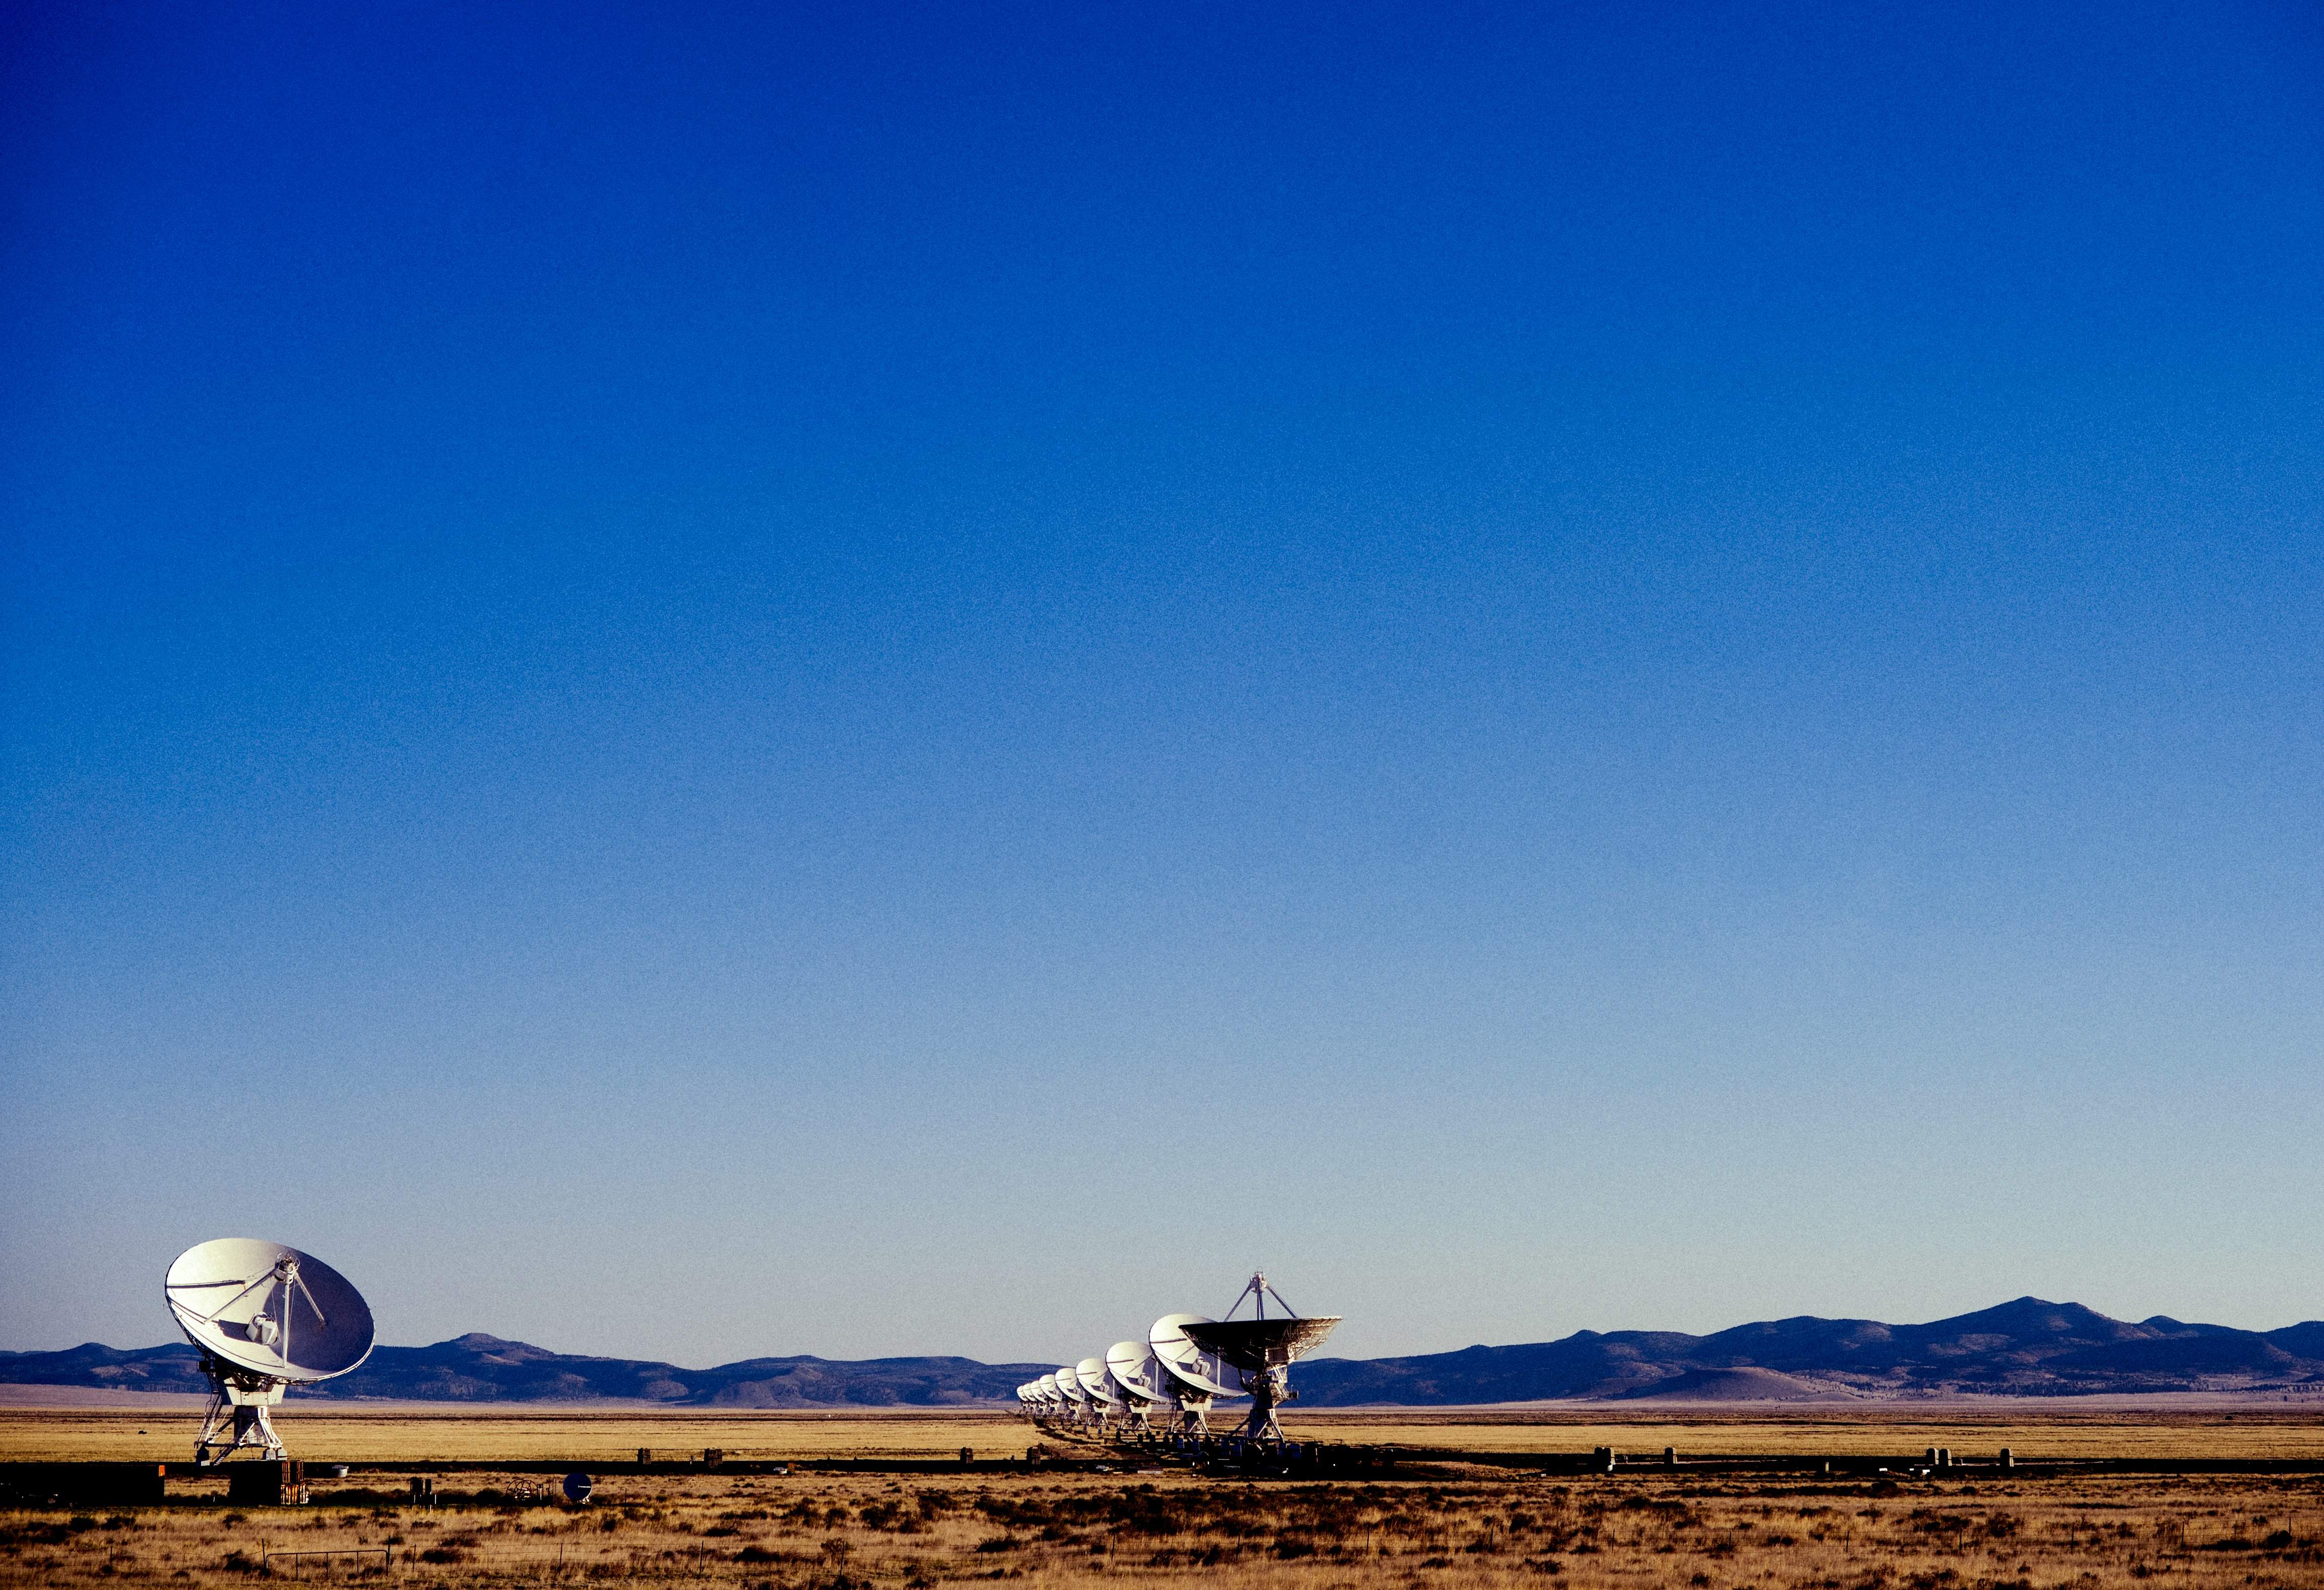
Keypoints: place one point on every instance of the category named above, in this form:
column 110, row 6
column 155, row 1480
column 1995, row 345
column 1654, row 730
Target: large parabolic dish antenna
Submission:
column 1138, row 1375
column 1262, row 1349
column 1098, row 1383
column 264, row 1318
column 1185, row 1361
column 1136, row 1371
column 269, row 1311
column 1252, row 1346
column 1192, row 1377
column 1076, row 1400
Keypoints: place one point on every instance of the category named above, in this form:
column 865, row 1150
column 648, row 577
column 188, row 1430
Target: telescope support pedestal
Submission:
column 239, row 1401
column 1270, row 1388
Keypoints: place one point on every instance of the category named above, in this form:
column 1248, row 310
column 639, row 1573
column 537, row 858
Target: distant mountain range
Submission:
column 478, row 1368
column 2025, row 1348
column 2028, row 1348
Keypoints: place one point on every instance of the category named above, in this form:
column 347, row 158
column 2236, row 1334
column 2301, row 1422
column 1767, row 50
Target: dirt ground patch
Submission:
column 817, row 1532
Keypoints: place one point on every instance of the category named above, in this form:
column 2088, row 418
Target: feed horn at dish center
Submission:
column 1165, row 1386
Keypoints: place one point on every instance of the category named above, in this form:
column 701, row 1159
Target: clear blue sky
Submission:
column 694, row 682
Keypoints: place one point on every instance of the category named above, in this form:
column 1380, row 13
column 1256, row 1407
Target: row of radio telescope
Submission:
column 1165, row 1385
column 267, row 1317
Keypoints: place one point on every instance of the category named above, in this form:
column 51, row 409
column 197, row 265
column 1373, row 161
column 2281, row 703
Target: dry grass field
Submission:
column 408, row 1433
column 433, row 1433
column 1501, row 1532
column 2043, row 1429
column 1489, row 1530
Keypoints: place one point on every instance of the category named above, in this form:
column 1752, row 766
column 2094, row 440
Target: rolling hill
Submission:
column 2023, row 1348
column 480, row 1368
column 2028, row 1347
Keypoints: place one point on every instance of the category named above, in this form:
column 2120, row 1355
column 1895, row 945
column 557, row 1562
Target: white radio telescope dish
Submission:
column 269, row 1309
column 1098, row 1383
column 1201, row 1371
column 1138, row 1376
column 264, row 1318
column 1076, row 1401
column 1136, row 1371
column 1263, row 1350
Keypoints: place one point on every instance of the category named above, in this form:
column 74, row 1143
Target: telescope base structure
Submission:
column 239, row 1402
column 1270, row 1388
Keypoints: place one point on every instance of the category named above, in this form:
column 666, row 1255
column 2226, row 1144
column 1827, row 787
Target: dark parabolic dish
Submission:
column 1255, row 1344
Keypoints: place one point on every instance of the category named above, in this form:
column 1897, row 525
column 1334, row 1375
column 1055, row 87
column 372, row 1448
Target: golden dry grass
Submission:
column 404, row 1433
column 1635, row 1532
column 2048, row 1428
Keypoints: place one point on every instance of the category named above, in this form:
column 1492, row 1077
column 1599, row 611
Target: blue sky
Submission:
column 769, row 681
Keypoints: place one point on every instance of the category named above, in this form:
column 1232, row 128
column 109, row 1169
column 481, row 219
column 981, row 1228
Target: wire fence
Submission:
column 299, row 1560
